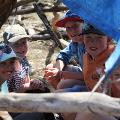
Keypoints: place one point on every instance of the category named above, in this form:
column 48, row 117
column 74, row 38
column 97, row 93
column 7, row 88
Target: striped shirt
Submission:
column 20, row 77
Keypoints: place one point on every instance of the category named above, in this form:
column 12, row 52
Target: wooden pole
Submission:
column 60, row 102
column 23, row 2
column 31, row 10
column 42, row 16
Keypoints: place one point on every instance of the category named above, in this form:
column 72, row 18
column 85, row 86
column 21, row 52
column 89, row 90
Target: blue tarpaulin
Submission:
column 104, row 15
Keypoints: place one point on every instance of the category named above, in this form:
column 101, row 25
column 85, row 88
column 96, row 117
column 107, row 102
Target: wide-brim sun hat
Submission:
column 69, row 16
column 14, row 33
column 6, row 53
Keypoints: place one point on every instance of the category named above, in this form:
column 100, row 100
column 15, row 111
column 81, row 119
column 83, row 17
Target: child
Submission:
column 98, row 49
column 63, row 75
column 20, row 82
column 115, row 79
column 9, row 62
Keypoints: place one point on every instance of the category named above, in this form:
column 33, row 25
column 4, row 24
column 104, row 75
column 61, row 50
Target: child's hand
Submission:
column 49, row 66
column 53, row 76
column 51, row 73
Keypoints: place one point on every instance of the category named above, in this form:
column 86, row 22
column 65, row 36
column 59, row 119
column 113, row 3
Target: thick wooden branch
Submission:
column 40, row 37
column 31, row 10
column 23, row 2
column 60, row 102
column 48, row 37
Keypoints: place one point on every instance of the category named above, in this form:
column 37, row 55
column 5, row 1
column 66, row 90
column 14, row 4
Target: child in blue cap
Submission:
column 62, row 75
column 9, row 62
column 20, row 82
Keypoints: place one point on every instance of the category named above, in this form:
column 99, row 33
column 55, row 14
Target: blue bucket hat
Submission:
column 6, row 52
column 69, row 16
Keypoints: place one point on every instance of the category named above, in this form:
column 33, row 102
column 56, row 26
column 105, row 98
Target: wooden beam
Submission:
column 23, row 2
column 40, row 37
column 60, row 102
column 31, row 10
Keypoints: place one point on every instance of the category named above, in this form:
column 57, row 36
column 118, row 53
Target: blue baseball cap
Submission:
column 87, row 29
column 69, row 16
column 6, row 52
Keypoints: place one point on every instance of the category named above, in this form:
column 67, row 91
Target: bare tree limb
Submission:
column 60, row 102
column 23, row 2
column 31, row 10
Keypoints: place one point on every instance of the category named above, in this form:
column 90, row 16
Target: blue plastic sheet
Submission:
column 105, row 15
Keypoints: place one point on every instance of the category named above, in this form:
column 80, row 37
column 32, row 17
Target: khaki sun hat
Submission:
column 14, row 33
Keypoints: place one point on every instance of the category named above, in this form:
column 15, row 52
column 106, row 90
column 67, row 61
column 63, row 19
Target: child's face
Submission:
column 74, row 30
column 95, row 44
column 7, row 68
column 116, row 74
column 21, row 47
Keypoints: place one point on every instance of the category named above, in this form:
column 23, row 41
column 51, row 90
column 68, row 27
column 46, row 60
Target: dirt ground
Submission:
column 38, row 51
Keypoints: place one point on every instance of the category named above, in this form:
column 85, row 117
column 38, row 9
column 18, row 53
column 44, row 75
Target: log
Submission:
column 40, row 37
column 60, row 102
column 47, row 37
column 23, row 2
column 31, row 10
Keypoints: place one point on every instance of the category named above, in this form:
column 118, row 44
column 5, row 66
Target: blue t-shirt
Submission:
column 73, row 49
